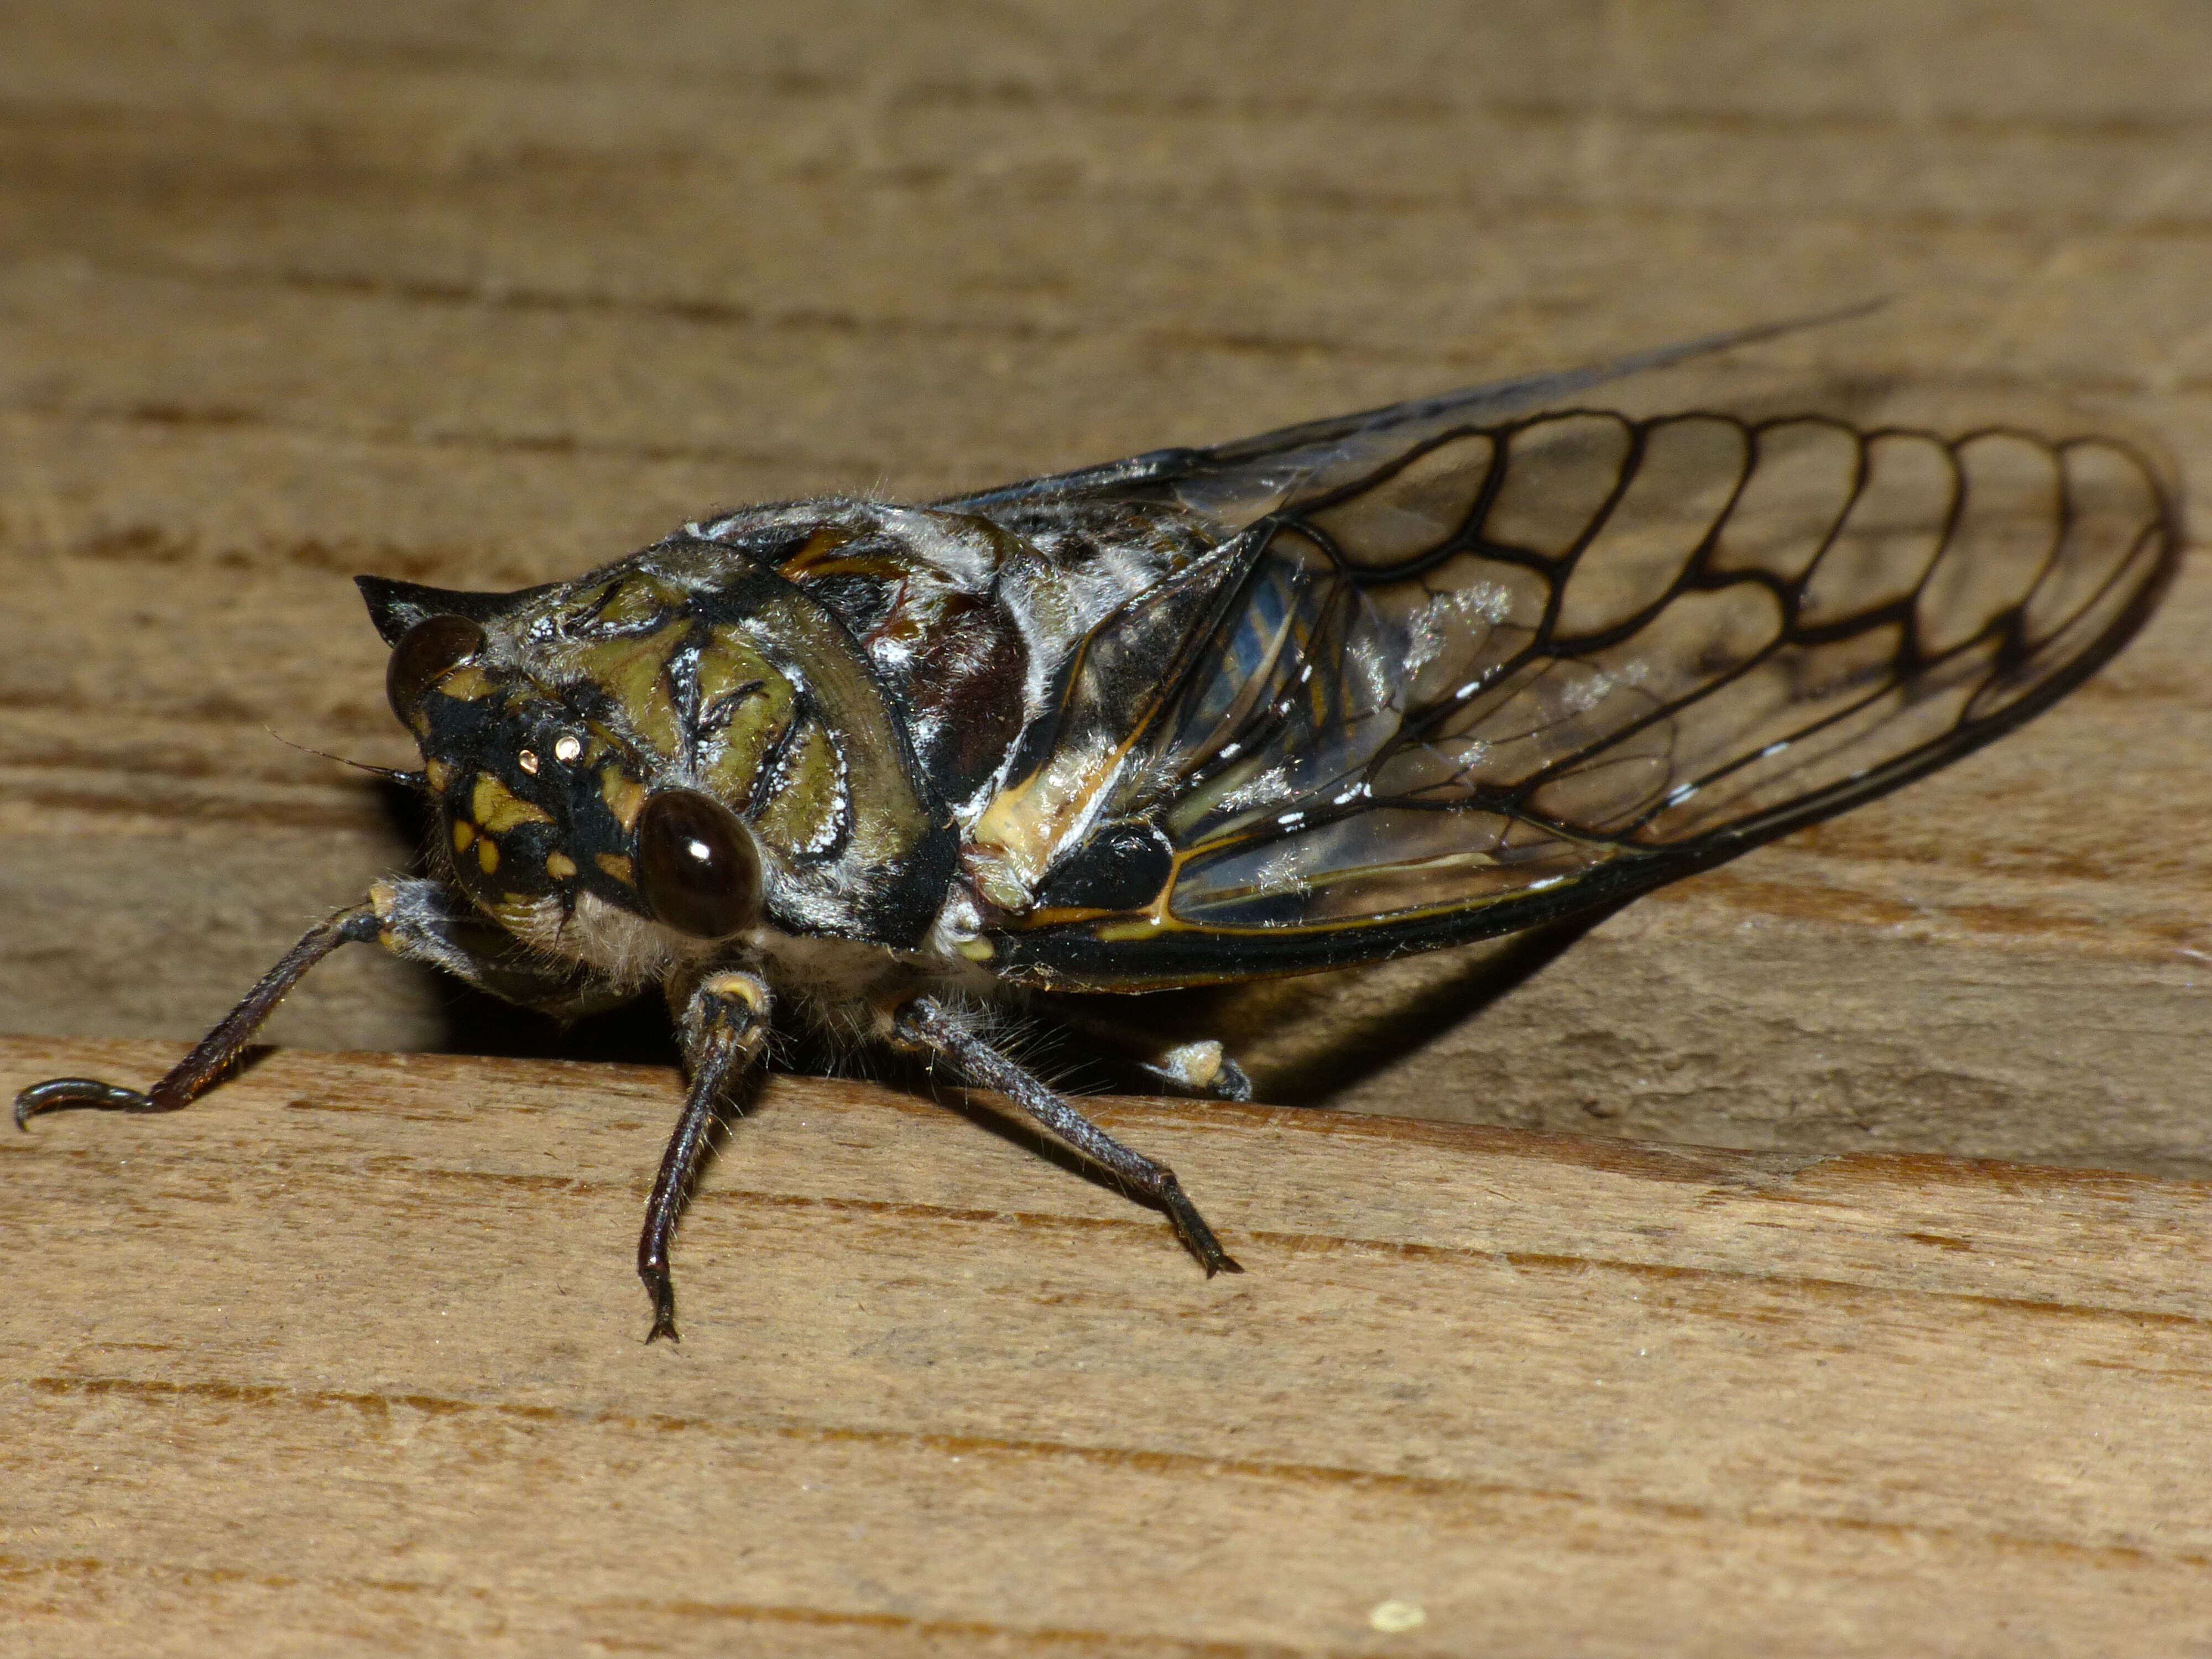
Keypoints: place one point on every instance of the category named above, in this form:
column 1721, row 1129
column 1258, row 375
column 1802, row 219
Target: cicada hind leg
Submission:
column 928, row 1024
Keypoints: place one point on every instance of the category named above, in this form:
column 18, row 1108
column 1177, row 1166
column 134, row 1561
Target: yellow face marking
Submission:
column 617, row 866
column 625, row 798
column 560, row 865
column 488, row 854
column 499, row 809
column 464, row 833
column 516, row 910
column 465, row 683
column 439, row 774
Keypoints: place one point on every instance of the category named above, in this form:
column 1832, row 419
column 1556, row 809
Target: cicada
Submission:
column 1365, row 686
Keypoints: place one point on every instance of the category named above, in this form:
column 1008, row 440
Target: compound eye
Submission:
column 696, row 865
column 427, row 653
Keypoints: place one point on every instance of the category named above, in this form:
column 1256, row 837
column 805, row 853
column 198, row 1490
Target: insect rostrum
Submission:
column 1368, row 685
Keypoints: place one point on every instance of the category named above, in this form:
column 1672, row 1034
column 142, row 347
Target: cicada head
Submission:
column 682, row 738
column 542, row 809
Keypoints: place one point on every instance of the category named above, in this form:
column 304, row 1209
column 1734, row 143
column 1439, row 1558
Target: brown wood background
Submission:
column 487, row 294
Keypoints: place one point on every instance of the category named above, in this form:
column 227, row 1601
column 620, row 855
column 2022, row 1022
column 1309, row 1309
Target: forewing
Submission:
column 1521, row 668
column 1231, row 486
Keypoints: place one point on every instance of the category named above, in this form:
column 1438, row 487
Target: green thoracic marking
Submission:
column 748, row 702
column 810, row 807
column 634, row 674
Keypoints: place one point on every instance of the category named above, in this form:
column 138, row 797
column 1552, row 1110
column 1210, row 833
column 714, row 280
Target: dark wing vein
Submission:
column 1510, row 669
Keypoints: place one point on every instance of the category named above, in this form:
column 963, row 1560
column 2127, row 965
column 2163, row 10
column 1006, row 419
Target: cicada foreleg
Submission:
column 927, row 1024
column 217, row 1051
column 414, row 920
column 725, row 1025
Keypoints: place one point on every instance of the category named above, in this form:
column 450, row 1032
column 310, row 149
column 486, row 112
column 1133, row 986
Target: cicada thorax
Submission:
column 926, row 595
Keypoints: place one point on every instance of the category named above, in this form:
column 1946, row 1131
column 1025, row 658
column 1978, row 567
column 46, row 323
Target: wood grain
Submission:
column 346, row 1358
column 487, row 294
column 290, row 292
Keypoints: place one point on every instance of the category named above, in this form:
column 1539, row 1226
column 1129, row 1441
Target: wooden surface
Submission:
column 488, row 294
column 347, row 1360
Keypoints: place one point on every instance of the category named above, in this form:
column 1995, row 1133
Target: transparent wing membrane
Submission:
column 1505, row 671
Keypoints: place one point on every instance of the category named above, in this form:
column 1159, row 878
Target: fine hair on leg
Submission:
column 928, row 1023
